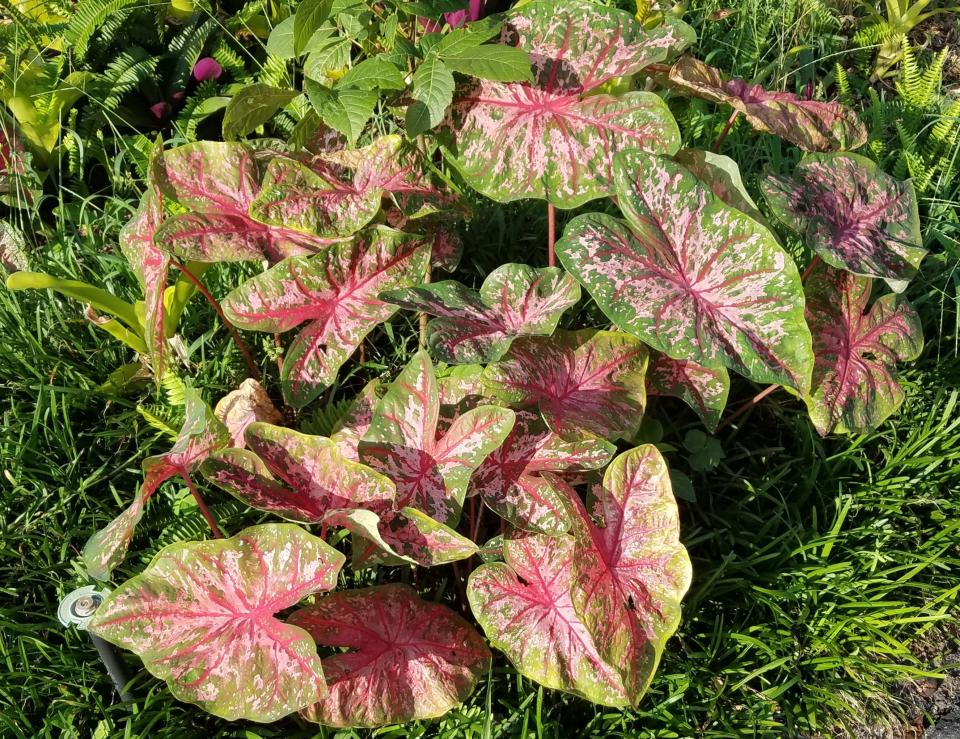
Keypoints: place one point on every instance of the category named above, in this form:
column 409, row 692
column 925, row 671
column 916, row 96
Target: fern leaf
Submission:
column 87, row 19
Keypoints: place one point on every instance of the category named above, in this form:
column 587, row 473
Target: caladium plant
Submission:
column 702, row 388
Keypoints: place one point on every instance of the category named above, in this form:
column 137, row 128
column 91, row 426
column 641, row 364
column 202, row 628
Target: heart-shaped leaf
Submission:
column 510, row 480
column 854, row 380
column 391, row 632
column 355, row 422
column 852, row 214
column 335, row 294
column 810, row 124
column 201, row 616
column 692, row 277
column 722, row 175
column 247, row 404
column 703, row 389
column 589, row 612
column 201, row 434
column 582, row 381
column 474, row 327
column 555, row 138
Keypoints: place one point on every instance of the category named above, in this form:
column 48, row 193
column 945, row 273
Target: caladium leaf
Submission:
column 810, row 124
column 703, row 389
column 217, row 182
column 555, row 138
column 692, row 277
column 355, row 422
column 852, row 214
column 391, row 632
column 854, row 381
column 335, row 294
column 245, row 405
column 474, row 327
column 201, row 616
column 510, row 480
column 589, row 612
column 582, row 381
column 201, row 434
column 722, row 175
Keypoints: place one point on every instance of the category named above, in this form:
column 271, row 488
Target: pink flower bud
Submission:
column 207, row 68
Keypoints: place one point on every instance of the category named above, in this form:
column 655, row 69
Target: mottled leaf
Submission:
column 13, row 247
column 692, row 277
column 355, row 422
column 555, row 138
column 245, row 405
column 473, row 327
column 582, row 381
column 408, row 659
column 702, row 388
column 722, row 175
column 201, row 616
column 335, row 294
column 856, row 349
column 510, row 481
column 810, row 124
column 852, row 214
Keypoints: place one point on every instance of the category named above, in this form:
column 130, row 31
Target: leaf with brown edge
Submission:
column 812, row 125
column 333, row 293
column 586, row 380
column 555, row 138
column 247, row 404
column 389, row 631
column 852, row 214
column 511, row 480
column 201, row 616
column 702, row 388
column 856, row 348
column 691, row 276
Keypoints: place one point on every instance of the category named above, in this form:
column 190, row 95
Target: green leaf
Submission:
column 325, row 57
column 345, row 110
column 309, row 17
column 99, row 299
column 491, row 62
column 433, row 89
column 463, row 39
column 253, row 106
column 374, row 73
column 280, row 41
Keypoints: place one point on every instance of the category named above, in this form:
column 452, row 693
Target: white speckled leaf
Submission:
column 474, row 327
column 703, row 389
column 408, row 659
column 691, row 276
column 555, row 138
column 201, row 616
column 355, row 422
column 582, row 381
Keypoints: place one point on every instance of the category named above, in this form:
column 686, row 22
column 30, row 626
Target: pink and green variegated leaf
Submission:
column 555, row 138
column 703, row 389
column 335, row 294
column 588, row 380
column 107, row 548
column 810, row 124
column 247, row 404
column 408, row 659
column 510, row 481
column 296, row 476
column 722, row 175
column 350, row 429
column 856, row 348
column 629, row 554
column 477, row 327
column 217, row 183
column 201, row 616
column 691, row 276
column 431, row 470
column 852, row 214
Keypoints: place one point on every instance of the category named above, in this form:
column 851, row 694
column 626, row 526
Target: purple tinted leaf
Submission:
column 854, row 215
column 201, row 616
column 856, row 349
column 390, row 632
column 703, row 389
column 515, row 300
column 691, row 276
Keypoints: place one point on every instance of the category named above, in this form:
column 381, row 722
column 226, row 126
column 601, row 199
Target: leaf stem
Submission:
column 424, row 319
column 747, row 406
column 244, row 351
column 723, row 134
column 202, row 505
column 551, row 234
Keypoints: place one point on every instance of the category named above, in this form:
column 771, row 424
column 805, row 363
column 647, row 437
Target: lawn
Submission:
column 826, row 569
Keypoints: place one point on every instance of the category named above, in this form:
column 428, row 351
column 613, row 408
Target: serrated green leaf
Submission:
column 345, row 110
column 374, row 73
column 491, row 62
column 330, row 55
column 433, row 89
column 280, row 41
column 253, row 106
column 309, row 17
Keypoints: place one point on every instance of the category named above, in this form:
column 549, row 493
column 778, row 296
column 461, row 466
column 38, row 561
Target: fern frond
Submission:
column 156, row 422
column 174, row 389
column 324, row 420
column 88, row 18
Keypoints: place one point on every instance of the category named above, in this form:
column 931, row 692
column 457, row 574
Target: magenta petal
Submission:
column 161, row 110
column 207, row 69
column 177, row 97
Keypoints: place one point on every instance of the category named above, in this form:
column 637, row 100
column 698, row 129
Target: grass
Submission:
column 822, row 568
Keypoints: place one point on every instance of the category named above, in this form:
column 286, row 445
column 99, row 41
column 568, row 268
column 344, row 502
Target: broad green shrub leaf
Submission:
column 489, row 62
column 347, row 110
column 310, row 16
column 702, row 388
column 476, row 327
column 581, row 381
column 432, row 93
column 510, row 479
column 280, row 41
column 810, row 124
column 374, row 73
column 692, row 277
column 555, row 138
column 217, row 183
column 251, row 107
column 856, row 348
column 408, row 659
column 201, row 616
column 589, row 612
column 852, row 214
column 201, row 434
column 335, row 294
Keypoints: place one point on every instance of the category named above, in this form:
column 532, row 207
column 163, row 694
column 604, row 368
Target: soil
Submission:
column 942, row 31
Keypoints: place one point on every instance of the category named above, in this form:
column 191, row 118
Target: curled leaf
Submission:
column 247, row 404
